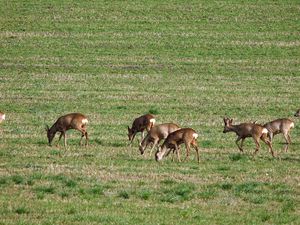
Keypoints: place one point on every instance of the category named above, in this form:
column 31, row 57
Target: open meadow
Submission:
column 187, row 62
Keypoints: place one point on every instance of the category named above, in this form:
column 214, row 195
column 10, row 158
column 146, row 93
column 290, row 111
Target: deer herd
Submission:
column 173, row 136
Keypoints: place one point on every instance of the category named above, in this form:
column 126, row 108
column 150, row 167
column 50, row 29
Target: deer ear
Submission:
column 46, row 127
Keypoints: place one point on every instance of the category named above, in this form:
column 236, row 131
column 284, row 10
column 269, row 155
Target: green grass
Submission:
column 188, row 62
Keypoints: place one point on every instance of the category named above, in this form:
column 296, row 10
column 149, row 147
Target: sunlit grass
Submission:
column 191, row 63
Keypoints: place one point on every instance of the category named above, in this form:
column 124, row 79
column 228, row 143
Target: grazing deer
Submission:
column 244, row 130
column 139, row 125
column 156, row 134
column 280, row 126
column 2, row 117
column 297, row 114
column 185, row 135
column 75, row 121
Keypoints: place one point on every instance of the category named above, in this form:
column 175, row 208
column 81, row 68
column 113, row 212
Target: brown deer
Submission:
column 244, row 130
column 75, row 121
column 280, row 126
column 139, row 125
column 2, row 117
column 185, row 135
column 156, row 134
column 297, row 114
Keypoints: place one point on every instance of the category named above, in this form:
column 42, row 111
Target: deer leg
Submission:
column 61, row 134
column 142, row 135
column 86, row 138
column 174, row 152
column 133, row 136
column 270, row 135
column 237, row 143
column 242, row 143
column 80, row 142
column 264, row 139
column 187, row 146
column 286, row 137
column 153, row 145
column 65, row 139
column 256, row 140
column 177, row 151
column 289, row 137
column 83, row 133
column 194, row 144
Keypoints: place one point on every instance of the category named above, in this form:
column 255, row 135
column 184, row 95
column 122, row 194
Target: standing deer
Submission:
column 297, row 114
column 244, row 130
column 280, row 126
column 2, row 117
column 156, row 134
column 185, row 135
column 75, row 121
column 139, row 125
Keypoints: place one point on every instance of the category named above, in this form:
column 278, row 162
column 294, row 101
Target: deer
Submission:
column 75, row 121
column 244, row 130
column 297, row 114
column 2, row 117
column 156, row 134
column 139, row 125
column 188, row 136
column 280, row 126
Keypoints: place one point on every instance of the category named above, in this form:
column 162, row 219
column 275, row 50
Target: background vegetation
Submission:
column 188, row 62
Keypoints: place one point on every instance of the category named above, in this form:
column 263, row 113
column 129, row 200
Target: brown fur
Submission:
column 176, row 138
column 245, row 130
column 156, row 134
column 280, row 126
column 67, row 122
column 139, row 125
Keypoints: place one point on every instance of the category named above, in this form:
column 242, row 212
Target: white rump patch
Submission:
column 3, row 117
column 152, row 120
column 84, row 121
column 195, row 135
column 265, row 131
column 292, row 125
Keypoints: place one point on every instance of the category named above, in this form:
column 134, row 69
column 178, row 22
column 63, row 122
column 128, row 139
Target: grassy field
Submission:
column 188, row 62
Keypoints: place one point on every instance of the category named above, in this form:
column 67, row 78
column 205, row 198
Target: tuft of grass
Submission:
column 168, row 182
column 17, row 179
column 145, row 194
column 55, row 152
column 226, row 186
column 3, row 181
column 95, row 190
column 207, row 143
column 223, row 168
column 247, row 187
column 180, row 192
column 64, row 194
column 236, row 156
column 288, row 206
column 123, row 194
column 45, row 190
column 153, row 111
column 208, row 193
column 21, row 210
column 70, row 183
